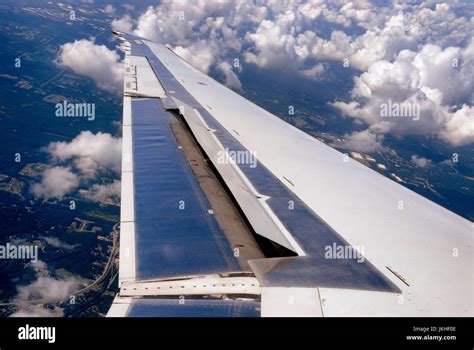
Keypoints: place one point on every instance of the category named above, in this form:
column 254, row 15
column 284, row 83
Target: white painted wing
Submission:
column 422, row 251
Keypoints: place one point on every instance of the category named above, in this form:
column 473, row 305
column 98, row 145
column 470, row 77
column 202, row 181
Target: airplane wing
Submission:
column 227, row 210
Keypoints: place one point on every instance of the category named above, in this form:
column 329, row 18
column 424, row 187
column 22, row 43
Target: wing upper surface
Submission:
column 406, row 244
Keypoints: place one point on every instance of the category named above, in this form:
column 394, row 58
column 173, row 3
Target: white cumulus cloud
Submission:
column 110, row 9
column 199, row 55
column 45, row 289
column 123, row 24
column 420, row 161
column 434, row 80
column 363, row 141
column 103, row 192
column 97, row 62
column 56, row 183
column 55, row 242
column 90, row 152
column 78, row 162
column 231, row 79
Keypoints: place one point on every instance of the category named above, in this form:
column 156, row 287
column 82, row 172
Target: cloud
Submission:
column 383, row 44
column 199, row 55
column 34, row 310
column 431, row 81
column 338, row 47
column 267, row 33
column 97, row 62
column 314, row 72
column 274, row 45
column 44, row 288
column 291, row 37
column 89, row 152
column 39, row 266
column 103, row 192
column 448, row 71
column 205, row 33
column 420, row 161
column 56, row 183
column 361, row 13
column 231, row 79
column 124, row 24
column 459, row 127
column 55, row 242
column 48, row 288
column 128, row 7
column 110, row 9
column 363, row 141
column 79, row 162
